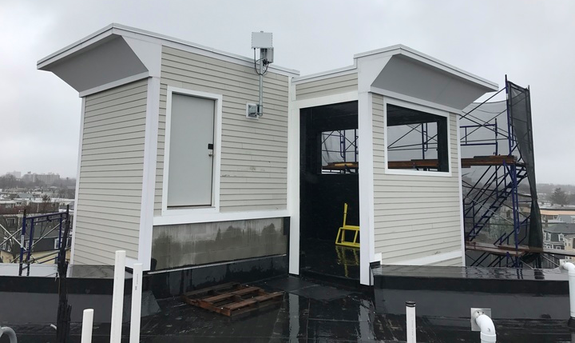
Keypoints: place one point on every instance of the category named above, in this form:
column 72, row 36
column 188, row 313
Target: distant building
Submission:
column 47, row 179
column 568, row 244
column 564, row 215
column 555, row 233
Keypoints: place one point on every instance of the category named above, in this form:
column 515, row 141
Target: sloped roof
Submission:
column 564, row 228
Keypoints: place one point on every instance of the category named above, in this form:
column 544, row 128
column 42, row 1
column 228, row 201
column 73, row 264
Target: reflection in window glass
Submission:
column 416, row 140
column 339, row 152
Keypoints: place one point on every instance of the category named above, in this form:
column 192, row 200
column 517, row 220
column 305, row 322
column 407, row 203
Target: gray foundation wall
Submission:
column 195, row 244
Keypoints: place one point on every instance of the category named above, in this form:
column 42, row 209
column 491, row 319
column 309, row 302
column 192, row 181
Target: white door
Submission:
column 190, row 174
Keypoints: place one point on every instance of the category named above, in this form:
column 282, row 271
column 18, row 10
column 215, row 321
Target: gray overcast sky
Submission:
column 531, row 41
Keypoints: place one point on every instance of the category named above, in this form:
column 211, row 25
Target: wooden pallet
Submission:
column 232, row 298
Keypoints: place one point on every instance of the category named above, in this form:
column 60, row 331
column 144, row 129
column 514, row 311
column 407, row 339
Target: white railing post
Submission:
column 410, row 319
column 118, row 297
column 570, row 267
column 87, row 325
column 136, row 303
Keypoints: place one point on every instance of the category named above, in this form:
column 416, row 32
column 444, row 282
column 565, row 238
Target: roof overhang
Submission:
column 399, row 70
column 119, row 54
column 106, row 58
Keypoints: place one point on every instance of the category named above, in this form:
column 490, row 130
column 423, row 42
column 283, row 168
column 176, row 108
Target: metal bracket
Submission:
column 476, row 312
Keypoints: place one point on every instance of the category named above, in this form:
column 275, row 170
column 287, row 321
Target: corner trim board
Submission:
column 293, row 180
column 149, row 173
column 366, row 184
column 79, row 163
column 461, row 214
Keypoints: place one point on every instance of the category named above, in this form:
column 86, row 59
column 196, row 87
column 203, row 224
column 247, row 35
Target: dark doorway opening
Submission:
column 328, row 179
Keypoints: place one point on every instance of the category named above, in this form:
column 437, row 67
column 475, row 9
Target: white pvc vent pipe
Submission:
column 10, row 333
column 87, row 325
column 135, row 317
column 410, row 318
column 487, row 333
column 570, row 267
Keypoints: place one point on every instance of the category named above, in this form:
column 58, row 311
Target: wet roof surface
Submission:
column 310, row 312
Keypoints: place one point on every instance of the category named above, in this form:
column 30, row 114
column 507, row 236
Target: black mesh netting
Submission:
column 519, row 104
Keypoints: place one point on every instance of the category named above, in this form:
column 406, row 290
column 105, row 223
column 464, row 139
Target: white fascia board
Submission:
column 76, row 46
column 407, row 98
column 431, row 61
column 325, row 100
column 326, row 74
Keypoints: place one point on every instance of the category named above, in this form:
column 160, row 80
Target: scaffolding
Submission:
column 501, row 215
column 339, row 151
column 38, row 228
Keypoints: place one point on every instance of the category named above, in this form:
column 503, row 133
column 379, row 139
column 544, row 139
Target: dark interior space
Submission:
column 328, row 130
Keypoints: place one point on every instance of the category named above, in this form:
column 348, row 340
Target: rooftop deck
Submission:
column 310, row 312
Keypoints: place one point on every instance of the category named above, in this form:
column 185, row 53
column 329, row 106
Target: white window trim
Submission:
column 417, row 107
column 215, row 208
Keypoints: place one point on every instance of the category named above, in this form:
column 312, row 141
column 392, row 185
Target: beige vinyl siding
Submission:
column 253, row 152
column 415, row 216
column 328, row 86
column 111, row 168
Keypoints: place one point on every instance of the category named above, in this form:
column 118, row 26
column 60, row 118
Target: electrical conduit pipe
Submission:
column 487, row 333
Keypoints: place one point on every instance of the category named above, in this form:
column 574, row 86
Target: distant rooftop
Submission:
column 565, row 228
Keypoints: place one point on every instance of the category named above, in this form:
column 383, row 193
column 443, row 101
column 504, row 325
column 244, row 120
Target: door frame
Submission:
column 365, row 126
column 193, row 210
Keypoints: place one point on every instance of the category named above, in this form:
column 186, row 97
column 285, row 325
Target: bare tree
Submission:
column 559, row 197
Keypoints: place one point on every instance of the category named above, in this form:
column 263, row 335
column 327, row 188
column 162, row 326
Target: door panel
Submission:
column 190, row 174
